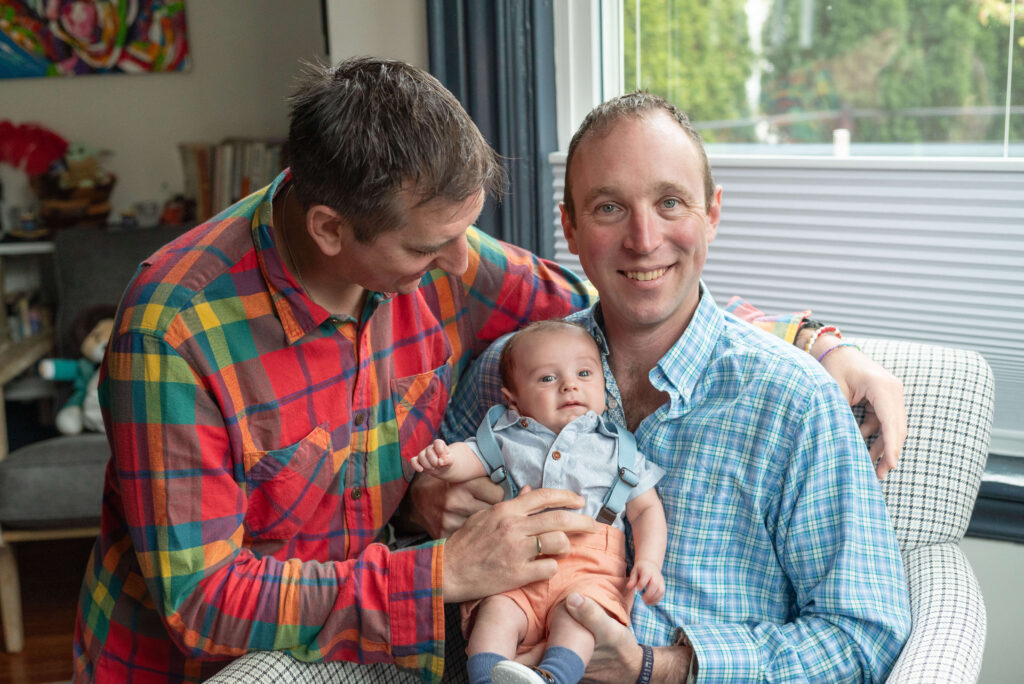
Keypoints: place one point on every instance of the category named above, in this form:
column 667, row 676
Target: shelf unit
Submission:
column 17, row 356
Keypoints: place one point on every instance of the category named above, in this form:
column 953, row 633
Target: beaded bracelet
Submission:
column 647, row 669
column 828, row 329
column 841, row 344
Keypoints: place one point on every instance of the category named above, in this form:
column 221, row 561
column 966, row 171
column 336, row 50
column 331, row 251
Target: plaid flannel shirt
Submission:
column 782, row 563
column 258, row 452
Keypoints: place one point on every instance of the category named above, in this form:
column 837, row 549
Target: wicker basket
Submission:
column 77, row 206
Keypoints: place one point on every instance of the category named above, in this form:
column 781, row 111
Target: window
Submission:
column 915, row 230
column 867, row 77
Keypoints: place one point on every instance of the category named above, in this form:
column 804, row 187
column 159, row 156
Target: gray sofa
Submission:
column 53, row 488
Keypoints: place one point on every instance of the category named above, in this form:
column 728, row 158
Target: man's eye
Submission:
column 606, row 208
column 670, row 203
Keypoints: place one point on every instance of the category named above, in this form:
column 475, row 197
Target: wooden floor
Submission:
column 50, row 574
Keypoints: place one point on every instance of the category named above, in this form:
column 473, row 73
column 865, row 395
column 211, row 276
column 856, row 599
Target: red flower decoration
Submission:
column 30, row 147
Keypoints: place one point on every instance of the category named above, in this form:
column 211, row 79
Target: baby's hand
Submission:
column 434, row 460
column 648, row 580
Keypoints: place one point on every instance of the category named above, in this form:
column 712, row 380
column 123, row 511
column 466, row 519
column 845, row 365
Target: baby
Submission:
column 553, row 434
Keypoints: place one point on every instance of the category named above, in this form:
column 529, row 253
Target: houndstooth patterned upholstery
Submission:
column 949, row 393
column 930, row 495
column 949, row 618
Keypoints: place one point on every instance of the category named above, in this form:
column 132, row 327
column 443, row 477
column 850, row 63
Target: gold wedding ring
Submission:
column 540, row 551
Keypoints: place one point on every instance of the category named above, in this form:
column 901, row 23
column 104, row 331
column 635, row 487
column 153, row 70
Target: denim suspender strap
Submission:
column 491, row 452
column 615, row 499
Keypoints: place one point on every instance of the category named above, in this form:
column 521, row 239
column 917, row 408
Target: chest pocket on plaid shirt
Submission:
column 420, row 401
column 285, row 486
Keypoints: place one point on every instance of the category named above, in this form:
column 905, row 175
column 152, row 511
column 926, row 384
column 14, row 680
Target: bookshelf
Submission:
column 219, row 174
column 23, row 341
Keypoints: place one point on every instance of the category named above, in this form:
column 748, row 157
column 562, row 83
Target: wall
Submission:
column 383, row 28
column 997, row 565
column 244, row 55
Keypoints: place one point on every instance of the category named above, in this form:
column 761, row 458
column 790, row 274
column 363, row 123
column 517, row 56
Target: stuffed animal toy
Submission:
column 82, row 410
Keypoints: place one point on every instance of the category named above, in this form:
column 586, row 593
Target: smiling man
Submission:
column 782, row 564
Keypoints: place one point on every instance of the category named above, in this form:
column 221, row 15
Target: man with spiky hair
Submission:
column 268, row 371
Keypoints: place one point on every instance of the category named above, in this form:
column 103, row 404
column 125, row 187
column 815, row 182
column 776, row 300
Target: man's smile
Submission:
column 646, row 275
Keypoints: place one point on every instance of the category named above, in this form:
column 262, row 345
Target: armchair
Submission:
column 929, row 496
column 52, row 489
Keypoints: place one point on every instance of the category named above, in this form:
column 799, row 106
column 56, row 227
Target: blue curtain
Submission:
column 498, row 58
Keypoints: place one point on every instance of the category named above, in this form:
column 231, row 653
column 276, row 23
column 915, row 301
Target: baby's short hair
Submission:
column 507, row 363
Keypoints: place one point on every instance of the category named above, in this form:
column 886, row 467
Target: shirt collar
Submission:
column 682, row 367
column 585, row 423
column 298, row 313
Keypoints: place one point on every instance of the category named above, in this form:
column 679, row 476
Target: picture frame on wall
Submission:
column 77, row 37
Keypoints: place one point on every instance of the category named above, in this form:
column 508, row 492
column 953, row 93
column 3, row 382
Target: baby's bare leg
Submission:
column 566, row 632
column 499, row 627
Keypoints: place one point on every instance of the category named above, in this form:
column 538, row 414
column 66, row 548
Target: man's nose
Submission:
column 454, row 258
column 644, row 234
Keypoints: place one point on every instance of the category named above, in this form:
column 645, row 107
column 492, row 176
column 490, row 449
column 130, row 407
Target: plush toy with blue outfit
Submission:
column 82, row 409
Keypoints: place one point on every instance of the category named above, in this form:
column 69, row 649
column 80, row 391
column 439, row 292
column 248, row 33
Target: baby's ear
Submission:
column 510, row 399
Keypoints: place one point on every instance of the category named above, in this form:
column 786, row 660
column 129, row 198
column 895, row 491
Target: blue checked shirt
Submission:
column 782, row 564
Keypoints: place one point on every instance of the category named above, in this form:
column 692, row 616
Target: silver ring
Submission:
column 540, row 551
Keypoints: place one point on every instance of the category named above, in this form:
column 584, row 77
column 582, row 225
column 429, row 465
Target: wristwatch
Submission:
column 809, row 324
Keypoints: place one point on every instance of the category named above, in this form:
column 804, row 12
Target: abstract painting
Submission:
column 75, row 37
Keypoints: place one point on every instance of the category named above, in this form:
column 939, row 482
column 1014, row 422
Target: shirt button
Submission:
column 556, row 455
column 524, row 422
column 356, row 492
column 613, row 404
column 358, row 419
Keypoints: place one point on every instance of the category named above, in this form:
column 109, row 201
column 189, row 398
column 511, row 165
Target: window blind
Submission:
column 927, row 249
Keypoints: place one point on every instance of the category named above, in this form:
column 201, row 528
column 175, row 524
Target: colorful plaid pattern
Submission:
column 783, row 326
column 258, row 450
column 782, row 563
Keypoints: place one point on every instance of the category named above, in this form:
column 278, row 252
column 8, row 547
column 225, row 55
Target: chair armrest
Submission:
column 948, row 633
column 260, row 666
column 949, row 399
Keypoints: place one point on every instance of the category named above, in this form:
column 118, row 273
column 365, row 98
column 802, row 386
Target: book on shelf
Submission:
column 219, row 174
column 26, row 316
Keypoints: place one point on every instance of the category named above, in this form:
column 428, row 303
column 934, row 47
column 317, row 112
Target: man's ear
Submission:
column 568, row 229
column 714, row 214
column 510, row 399
column 328, row 229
